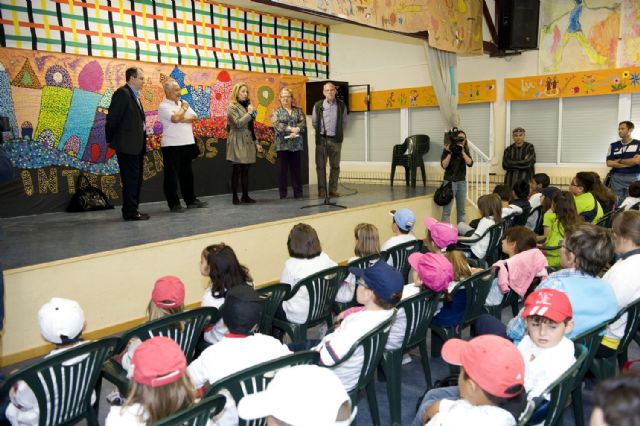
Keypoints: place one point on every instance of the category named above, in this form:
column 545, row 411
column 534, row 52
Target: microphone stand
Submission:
column 327, row 200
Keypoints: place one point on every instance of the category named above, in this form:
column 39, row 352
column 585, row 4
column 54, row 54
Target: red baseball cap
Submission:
column 493, row 362
column 548, row 303
column 157, row 362
column 168, row 292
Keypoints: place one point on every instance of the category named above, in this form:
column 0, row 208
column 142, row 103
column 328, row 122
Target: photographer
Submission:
column 455, row 160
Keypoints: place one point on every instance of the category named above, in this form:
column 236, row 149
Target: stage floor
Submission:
column 30, row 240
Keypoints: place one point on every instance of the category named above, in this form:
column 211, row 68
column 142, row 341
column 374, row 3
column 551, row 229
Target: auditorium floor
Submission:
column 29, row 240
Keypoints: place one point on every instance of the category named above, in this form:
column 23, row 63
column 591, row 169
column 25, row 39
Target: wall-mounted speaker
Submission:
column 517, row 22
column 314, row 93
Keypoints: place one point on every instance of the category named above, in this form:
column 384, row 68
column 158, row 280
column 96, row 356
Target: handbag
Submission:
column 87, row 197
column 444, row 194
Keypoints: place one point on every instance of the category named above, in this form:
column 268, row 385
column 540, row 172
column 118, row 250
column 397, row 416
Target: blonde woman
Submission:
column 241, row 141
column 289, row 122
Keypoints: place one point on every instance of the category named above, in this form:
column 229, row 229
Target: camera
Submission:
column 453, row 138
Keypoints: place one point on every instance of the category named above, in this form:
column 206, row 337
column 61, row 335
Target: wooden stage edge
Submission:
column 114, row 287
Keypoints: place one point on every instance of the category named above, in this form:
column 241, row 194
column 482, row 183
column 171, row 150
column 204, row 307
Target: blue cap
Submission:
column 404, row 218
column 383, row 279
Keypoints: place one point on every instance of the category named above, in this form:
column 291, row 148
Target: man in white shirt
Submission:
column 178, row 148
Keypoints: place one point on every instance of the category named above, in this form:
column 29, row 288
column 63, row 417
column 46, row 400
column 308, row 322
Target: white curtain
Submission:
column 443, row 68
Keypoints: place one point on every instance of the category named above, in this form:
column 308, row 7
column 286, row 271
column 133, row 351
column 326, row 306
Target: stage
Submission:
column 109, row 265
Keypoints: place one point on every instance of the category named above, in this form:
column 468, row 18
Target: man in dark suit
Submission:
column 126, row 134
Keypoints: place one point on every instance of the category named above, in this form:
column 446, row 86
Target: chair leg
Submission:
column 578, row 407
column 414, row 171
column 392, row 365
column 424, row 359
column 393, row 172
column 407, row 175
column 424, row 174
column 373, row 403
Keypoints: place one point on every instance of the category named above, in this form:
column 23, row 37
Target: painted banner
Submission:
column 585, row 83
column 201, row 33
column 630, row 37
column 453, row 25
column 578, row 35
column 412, row 97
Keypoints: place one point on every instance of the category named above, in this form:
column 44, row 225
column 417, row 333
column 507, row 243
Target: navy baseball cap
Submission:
column 383, row 279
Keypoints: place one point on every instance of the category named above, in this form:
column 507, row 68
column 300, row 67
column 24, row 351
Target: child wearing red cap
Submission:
column 160, row 387
column 490, row 387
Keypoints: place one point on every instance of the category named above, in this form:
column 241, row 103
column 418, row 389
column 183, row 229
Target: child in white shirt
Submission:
column 402, row 225
column 490, row 208
column 633, row 198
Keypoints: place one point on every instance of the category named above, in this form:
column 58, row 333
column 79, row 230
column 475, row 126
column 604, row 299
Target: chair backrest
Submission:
column 496, row 232
column 477, row 289
column 417, row 145
column 372, row 347
column 633, row 324
column 537, row 213
column 591, row 340
column 322, row 288
column 419, row 311
column 63, row 383
column 197, row 415
column 184, row 328
column 606, row 220
column 256, row 379
column 273, row 295
column 559, row 391
column 521, row 219
column 367, row 261
column 398, row 256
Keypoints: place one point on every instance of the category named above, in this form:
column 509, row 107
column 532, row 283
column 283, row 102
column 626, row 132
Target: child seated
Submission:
column 239, row 349
column 159, row 386
column 61, row 323
column 508, row 209
column 306, row 258
column 402, row 225
column 520, row 194
column 301, row 395
column 490, row 385
column 491, row 210
column 634, row 196
column 524, row 264
column 379, row 289
column 367, row 244
column 616, row 402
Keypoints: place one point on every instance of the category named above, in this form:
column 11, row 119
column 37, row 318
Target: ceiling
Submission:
column 248, row 4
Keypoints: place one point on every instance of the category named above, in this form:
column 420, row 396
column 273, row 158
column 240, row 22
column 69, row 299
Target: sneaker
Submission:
column 177, row 209
column 114, row 398
column 197, row 204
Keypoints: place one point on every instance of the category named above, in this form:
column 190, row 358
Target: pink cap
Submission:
column 434, row 270
column 157, row 362
column 442, row 234
column 168, row 292
column 493, row 362
column 548, row 303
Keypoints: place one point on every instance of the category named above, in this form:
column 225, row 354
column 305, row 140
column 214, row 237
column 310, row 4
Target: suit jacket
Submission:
column 124, row 128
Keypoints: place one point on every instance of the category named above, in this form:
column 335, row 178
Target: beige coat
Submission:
column 240, row 145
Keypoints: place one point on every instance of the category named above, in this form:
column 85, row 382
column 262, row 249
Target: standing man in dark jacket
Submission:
column 329, row 118
column 126, row 134
column 519, row 159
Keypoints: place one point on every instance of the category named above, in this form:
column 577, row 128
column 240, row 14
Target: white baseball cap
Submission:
column 303, row 395
column 61, row 320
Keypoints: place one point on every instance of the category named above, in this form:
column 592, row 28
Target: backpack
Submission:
column 444, row 194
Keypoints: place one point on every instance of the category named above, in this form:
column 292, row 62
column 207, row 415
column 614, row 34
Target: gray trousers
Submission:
column 333, row 150
column 620, row 184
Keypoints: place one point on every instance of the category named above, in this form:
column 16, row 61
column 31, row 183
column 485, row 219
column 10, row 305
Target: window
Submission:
column 475, row 120
column 427, row 121
column 540, row 121
column 354, row 136
column 385, row 133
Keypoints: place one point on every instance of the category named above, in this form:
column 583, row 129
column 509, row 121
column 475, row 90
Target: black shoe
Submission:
column 137, row 216
column 177, row 209
column 322, row 193
column 197, row 204
column 247, row 200
column 235, row 200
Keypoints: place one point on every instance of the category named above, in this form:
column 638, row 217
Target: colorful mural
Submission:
column 453, row 25
column 201, row 33
column 57, row 104
column 630, row 37
column 585, row 83
column 470, row 92
column 578, row 35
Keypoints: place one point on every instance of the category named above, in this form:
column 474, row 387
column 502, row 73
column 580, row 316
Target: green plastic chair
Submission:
column 256, row 379
column 591, row 340
column 398, row 256
column 477, row 287
column 185, row 328
column 196, row 415
column 63, row 383
column 604, row 368
column 606, row 220
column 372, row 345
column 510, row 299
column 362, row 262
column 273, row 295
column 419, row 311
column 539, row 215
column 322, row 288
column 494, row 251
column 559, row 393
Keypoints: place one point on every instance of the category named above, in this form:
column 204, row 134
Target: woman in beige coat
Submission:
column 241, row 141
